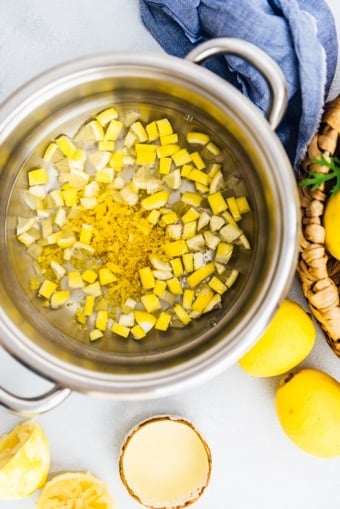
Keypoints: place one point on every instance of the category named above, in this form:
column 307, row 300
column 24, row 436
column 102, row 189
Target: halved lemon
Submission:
column 24, row 461
column 75, row 490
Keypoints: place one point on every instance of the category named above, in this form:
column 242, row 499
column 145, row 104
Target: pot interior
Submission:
column 60, row 107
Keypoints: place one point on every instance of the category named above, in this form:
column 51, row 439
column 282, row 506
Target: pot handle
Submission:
column 34, row 405
column 259, row 59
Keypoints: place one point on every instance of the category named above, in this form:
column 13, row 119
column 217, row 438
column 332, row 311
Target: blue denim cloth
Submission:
column 300, row 35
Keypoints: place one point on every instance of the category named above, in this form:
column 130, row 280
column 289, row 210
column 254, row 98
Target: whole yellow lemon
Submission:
column 331, row 224
column 308, row 409
column 288, row 340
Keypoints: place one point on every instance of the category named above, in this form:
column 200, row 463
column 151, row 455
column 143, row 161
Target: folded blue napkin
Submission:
column 300, row 35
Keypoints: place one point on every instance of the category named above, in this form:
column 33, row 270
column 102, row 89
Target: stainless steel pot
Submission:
column 59, row 100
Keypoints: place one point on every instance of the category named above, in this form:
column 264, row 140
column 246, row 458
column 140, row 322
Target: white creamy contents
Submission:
column 165, row 463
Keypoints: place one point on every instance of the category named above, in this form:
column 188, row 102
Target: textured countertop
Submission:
column 254, row 464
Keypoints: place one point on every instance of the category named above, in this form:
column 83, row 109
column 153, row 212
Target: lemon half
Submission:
column 24, row 461
column 75, row 490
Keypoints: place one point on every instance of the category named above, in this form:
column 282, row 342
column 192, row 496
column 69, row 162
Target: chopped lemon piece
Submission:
column 47, row 288
column 188, row 262
column 216, row 223
column 164, row 127
column 104, row 176
column 138, row 332
column 189, row 230
column 159, row 263
column 59, row 299
column 93, row 289
column 153, row 216
column 57, row 197
column 244, row 241
column 117, row 160
column 127, row 319
column 151, row 302
column 36, row 177
column 75, row 279
column 177, row 266
column 232, row 278
column 174, row 231
column 113, row 130
column 106, row 276
column 138, row 130
column 198, row 161
column 167, row 150
column 170, row 218
column 197, row 138
column 163, row 321
column 145, row 153
column 217, row 203
column 173, row 179
column 26, row 223
column 181, row 157
column 163, row 275
column 165, row 165
column 70, row 197
column 213, row 148
column 243, row 204
column 202, row 300
column 200, row 274
column 176, row 248
column 196, row 243
column 106, row 145
column 223, row 252
column 101, row 320
column 182, row 314
column 211, row 240
column 214, row 169
column 188, row 298
column 59, row 270
column 216, row 183
column 147, row 278
column 66, row 145
column 191, row 215
column 152, row 131
column 89, row 305
column 192, row 199
column 146, row 320
column 96, row 334
column 233, row 207
column 217, row 285
column 215, row 301
column 169, row 139
column 52, row 153
column 159, row 288
column 156, row 200
column 230, row 233
column 175, row 286
column 86, row 233
column 105, row 116
column 91, row 131
column 229, row 218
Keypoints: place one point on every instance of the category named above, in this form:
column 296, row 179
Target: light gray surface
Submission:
column 254, row 464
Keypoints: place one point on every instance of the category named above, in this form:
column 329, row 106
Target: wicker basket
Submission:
column 318, row 271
